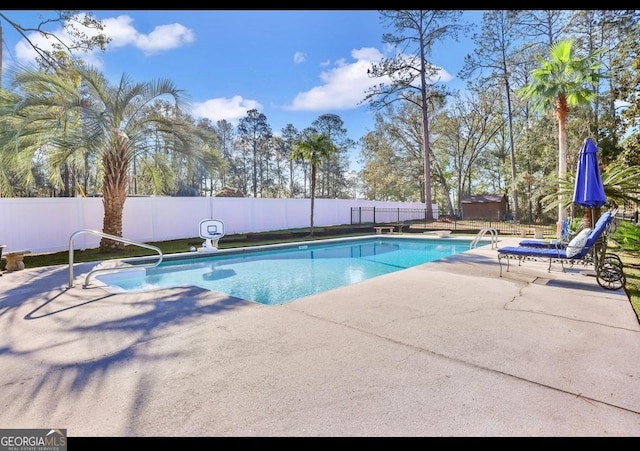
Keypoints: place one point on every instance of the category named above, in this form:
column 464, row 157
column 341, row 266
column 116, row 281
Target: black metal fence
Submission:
column 373, row 215
column 419, row 220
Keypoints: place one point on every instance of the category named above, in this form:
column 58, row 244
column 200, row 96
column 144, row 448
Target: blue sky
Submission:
column 291, row 65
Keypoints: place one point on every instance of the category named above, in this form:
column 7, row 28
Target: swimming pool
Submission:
column 281, row 273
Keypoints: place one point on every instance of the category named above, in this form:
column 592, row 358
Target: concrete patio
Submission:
column 443, row 349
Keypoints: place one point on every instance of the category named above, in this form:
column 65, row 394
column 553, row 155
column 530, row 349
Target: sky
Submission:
column 291, row 65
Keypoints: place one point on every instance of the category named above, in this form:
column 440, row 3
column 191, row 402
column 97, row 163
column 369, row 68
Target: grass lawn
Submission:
column 631, row 262
column 184, row 245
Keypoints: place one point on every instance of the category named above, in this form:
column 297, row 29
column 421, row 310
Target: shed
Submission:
column 484, row 206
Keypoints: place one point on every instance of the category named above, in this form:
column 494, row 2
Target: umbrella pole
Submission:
column 600, row 246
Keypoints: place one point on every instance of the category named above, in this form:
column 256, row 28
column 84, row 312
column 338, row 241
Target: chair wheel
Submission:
column 610, row 275
column 612, row 258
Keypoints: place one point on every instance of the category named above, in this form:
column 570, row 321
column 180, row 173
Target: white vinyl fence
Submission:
column 43, row 225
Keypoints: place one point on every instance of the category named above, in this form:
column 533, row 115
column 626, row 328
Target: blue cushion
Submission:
column 542, row 243
column 549, row 252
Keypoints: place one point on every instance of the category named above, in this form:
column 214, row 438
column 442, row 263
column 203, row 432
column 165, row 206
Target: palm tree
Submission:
column 31, row 132
column 110, row 123
column 563, row 81
column 313, row 149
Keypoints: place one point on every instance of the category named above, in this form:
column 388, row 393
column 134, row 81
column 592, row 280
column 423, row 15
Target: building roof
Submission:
column 482, row 198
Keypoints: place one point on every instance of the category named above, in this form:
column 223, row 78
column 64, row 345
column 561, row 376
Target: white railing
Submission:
column 482, row 233
column 112, row 237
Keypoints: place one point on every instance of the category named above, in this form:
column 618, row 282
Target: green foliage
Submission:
column 560, row 82
column 620, row 186
column 391, row 155
column 575, row 225
column 313, row 148
column 563, row 76
column 627, row 235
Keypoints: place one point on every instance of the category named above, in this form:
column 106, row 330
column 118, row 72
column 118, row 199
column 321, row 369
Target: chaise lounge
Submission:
column 576, row 250
column 565, row 235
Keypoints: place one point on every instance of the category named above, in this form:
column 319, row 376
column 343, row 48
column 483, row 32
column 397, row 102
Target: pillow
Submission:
column 578, row 242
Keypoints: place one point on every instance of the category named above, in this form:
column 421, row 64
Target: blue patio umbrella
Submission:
column 589, row 190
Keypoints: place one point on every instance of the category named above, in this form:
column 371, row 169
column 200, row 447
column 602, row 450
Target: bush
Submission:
column 627, row 235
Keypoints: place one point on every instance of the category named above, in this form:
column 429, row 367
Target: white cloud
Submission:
column 299, row 57
column 120, row 30
column 344, row 85
column 122, row 33
column 231, row 110
column 163, row 37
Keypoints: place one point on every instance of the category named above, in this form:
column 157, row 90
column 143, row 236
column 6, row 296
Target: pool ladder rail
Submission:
column 119, row 268
column 482, row 233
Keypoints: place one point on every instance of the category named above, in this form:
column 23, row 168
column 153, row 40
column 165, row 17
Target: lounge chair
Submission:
column 548, row 244
column 576, row 250
column 565, row 236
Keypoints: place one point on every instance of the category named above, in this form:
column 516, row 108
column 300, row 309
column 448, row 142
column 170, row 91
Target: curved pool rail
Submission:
column 111, row 237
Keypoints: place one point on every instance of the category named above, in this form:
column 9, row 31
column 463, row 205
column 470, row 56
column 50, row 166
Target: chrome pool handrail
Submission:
column 483, row 232
column 115, row 238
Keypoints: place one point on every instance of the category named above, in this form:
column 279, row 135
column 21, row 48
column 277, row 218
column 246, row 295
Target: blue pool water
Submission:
column 275, row 275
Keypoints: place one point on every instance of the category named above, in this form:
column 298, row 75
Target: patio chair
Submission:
column 565, row 236
column 576, row 250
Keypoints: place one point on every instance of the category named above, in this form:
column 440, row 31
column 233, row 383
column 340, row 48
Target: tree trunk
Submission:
column 426, row 148
column 512, row 154
column 313, row 195
column 116, row 170
column 562, row 111
column 591, row 216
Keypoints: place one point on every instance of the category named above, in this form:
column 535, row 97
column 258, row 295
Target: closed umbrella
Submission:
column 589, row 190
